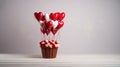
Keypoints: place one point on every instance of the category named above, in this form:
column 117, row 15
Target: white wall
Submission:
column 91, row 26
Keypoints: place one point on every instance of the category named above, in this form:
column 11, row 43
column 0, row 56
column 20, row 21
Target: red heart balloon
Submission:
column 54, row 16
column 43, row 30
column 54, row 31
column 48, row 31
column 39, row 16
column 57, row 15
column 61, row 16
column 36, row 15
column 60, row 24
column 48, row 24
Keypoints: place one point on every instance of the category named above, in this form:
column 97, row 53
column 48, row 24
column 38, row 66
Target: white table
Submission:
column 85, row 60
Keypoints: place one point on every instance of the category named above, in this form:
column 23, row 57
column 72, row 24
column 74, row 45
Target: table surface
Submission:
column 63, row 60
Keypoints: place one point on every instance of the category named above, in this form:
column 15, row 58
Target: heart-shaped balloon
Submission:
column 60, row 24
column 55, row 24
column 54, row 30
column 38, row 16
column 43, row 30
column 48, row 31
column 48, row 24
column 57, row 15
column 47, row 17
column 54, row 16
column 61, row 16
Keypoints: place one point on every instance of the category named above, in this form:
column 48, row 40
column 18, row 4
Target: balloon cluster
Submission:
column 50, row 22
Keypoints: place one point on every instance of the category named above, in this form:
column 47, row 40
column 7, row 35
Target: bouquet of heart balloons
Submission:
column 49, row 24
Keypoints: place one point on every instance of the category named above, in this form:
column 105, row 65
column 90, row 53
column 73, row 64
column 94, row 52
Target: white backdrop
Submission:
column 91, row 26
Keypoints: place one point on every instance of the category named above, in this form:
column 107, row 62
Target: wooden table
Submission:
column 84, row 60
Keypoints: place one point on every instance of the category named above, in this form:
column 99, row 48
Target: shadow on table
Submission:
column 38, row 56
column 35, row 56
